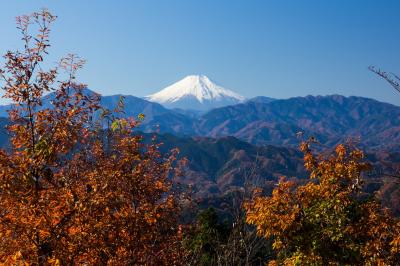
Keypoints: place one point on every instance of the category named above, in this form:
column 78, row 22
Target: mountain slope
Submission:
column 329, row 118
column 157, row 117
column 218, row 165
column 195, row 92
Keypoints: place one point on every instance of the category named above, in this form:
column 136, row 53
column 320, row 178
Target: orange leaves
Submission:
column 54, row 262
column 271, row 214
column 159, row 185
column 150, row 219
column 16, row 259
column 340, row 151
column 325, row 221
column 395, row 244
column 72, row 191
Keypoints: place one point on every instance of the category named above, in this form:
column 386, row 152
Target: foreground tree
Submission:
column 204, row 240
column 327, row 221
column 72, row 191
column 209, row 241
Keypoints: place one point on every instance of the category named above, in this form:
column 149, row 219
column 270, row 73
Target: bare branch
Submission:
column 393, row 79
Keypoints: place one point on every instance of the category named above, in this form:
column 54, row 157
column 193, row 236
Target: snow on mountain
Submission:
column 195, row 92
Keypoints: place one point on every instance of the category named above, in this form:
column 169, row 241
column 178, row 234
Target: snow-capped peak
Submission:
column 195, row 92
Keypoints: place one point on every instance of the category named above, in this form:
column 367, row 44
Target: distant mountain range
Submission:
column 331, row 119
column 199, row 107
column 258, row 138
column 266, row 121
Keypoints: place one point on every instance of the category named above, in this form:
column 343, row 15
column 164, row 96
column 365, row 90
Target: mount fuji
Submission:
column 195, row 92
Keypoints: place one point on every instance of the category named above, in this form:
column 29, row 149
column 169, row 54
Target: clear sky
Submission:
column 276, row 48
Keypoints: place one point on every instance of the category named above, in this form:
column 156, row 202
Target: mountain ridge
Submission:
column 331, row 119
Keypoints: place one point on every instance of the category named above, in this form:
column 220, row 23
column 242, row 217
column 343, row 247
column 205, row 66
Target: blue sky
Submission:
column 276, row 48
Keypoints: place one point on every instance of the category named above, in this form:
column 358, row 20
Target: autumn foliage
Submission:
column 327, row 221
column 73, row 191
column 77, row 187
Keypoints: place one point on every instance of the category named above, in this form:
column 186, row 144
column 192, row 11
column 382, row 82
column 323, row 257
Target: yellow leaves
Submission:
column 54, row 261
column 339, row 168
column 275, row 213
column 141, row 117
column 277, row 244
column 395, row 244
column 309, row 161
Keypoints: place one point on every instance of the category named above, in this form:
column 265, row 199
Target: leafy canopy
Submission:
column 327, row 221
column 74, row 191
